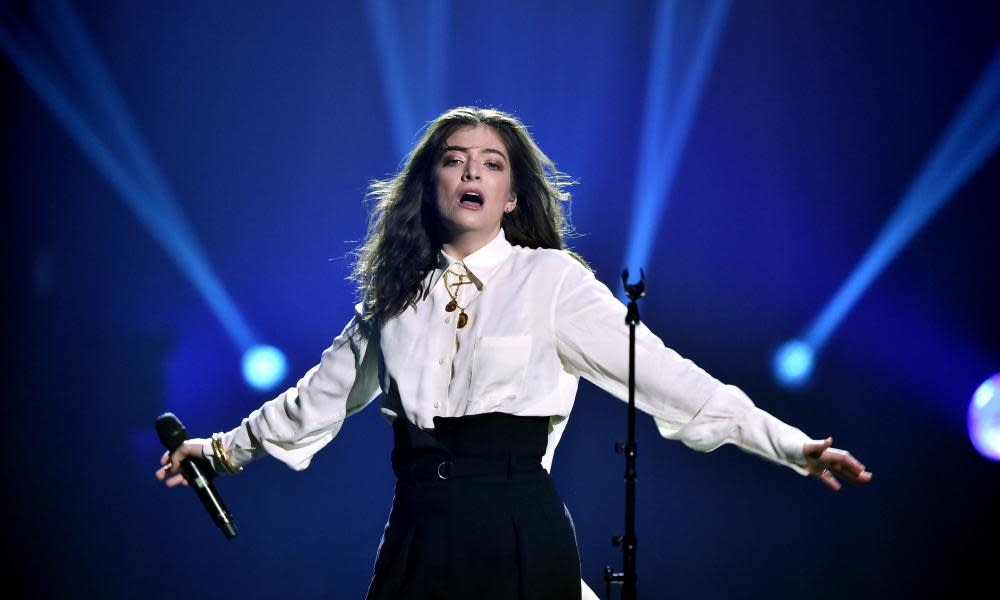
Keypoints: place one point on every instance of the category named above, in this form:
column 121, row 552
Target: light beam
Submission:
column 970, row 138
column 668, row 112
column 412, row 75
column 118, row 151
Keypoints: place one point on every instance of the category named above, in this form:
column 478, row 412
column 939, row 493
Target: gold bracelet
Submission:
column 223, row 457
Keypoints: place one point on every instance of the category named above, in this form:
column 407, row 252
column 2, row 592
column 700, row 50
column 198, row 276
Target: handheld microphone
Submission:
column 198, row 471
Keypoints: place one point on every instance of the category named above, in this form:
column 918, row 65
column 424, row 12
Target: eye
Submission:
column 492, row 164
column 451, row 161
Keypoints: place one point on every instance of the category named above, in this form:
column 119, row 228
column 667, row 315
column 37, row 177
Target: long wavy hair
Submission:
column 403, row 239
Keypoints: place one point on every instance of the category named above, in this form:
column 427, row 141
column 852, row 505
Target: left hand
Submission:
column 824, row 461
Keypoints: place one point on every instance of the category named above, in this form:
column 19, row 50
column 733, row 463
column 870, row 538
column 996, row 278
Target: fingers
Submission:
column 828, row 478
column 170, row 472
column 171, row 475
column 845, row 465
column 166, row 465
column 815, row 449
column 831, row 482
column 856, row 475
column 177, row 480
column 829, row 464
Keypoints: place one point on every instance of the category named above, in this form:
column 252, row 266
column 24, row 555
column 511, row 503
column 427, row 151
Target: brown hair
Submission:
column 403, row 237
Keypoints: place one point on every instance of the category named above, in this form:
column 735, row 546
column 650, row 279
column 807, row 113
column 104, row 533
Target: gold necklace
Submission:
column 463, row 318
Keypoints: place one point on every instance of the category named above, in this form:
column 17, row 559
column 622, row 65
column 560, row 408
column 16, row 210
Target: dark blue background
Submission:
column 270, row 119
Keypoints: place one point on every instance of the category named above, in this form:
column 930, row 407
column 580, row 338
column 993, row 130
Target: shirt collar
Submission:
column 480, row 265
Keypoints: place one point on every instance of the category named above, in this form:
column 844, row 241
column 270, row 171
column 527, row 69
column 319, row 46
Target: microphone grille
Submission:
column 171, row 431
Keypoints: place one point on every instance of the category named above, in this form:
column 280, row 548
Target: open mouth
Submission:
column 471, row 198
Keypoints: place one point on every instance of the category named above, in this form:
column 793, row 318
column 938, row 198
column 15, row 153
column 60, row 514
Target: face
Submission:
column 473, row 184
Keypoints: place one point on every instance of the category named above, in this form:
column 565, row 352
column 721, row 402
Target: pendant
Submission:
column 462, row 319
column 451, row 306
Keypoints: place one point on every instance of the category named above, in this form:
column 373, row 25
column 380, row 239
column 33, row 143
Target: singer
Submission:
column 475, row 325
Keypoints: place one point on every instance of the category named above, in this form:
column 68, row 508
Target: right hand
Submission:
column 170, row 473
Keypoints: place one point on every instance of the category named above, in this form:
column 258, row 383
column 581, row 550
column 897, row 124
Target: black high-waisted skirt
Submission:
column 475, row 516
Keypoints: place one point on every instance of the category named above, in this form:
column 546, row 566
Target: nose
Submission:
column 471, row 170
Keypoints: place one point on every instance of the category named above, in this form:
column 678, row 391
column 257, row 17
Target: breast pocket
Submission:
column 498, row 369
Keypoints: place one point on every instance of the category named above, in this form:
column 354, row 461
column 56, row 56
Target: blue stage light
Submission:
column 677, row 72
column 264, row 367
column 95, row 115
column 793, row 363
column 410, row 42
column 969, row 140
column 984, row 418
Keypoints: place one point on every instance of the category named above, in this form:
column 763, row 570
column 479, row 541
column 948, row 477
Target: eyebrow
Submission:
column 485, row 151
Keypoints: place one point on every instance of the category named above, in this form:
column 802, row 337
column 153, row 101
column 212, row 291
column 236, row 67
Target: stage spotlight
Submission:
column 58, row 60
column 793, row 363
column 969, row 140
column 410, row 42
column 984, row 418
column 264, row 367
column 685, row 38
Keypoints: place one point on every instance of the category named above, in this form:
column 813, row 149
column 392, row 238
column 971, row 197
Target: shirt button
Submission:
column 441, row 361
column 436, row 405
column 448, row 320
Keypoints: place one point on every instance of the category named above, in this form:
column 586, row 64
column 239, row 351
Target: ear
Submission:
column 511, row 204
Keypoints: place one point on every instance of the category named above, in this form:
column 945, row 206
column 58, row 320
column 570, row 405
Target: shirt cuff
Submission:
column 730, row 417
column 237, row 456
column 765, row 435
column 209, row 453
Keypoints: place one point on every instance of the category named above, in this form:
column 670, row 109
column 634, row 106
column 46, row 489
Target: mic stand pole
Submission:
column 628, row 542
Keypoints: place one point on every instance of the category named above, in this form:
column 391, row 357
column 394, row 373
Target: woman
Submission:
column 475, row 326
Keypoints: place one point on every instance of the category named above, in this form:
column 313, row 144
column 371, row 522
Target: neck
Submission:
column 460, row 246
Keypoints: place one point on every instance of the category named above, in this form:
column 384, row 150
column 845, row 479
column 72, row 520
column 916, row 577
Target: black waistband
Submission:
column 484, row 445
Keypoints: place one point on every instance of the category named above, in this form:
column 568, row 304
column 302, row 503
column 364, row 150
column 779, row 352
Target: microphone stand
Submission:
column 628, row 542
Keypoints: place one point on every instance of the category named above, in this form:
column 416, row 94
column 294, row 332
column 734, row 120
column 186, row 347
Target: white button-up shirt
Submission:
column 538, row 320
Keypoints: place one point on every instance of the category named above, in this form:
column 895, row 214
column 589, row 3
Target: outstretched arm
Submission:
column 687, row 403
column 824, row 461
column 299, row 422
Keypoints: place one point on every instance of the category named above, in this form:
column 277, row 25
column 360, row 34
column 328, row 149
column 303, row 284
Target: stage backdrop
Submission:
column 182, row 180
